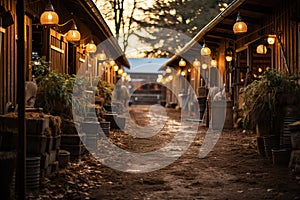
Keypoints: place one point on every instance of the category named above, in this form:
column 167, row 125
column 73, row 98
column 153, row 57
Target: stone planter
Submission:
column 270, row 142
column 7, row 169
column 281, row 157
column 63, row 158
column 37, row 126
column 260, row 146
column 105, row 126
column 295, row 134
column 36, row 144
column 72, row 139
column 115, row 121
column 8, row 141
column 221, row 114
column 90, row 127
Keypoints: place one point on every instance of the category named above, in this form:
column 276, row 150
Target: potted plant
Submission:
column 105, row 91
column 266, row 103
column 55, row 90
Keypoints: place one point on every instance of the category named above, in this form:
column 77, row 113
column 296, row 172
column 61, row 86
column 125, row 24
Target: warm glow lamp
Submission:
column 213, row 63
column 229, row 55
column 120, row 71
column 91, row 47
column 102, row 56
column 261, row 49
column 196, row 63
column 112, row 62
column 204, row 66
column 49, row 16
column 271, row 39
column 73, row 35
column 182, row 63
column 239, row 26
column 116, row 68
column 168, row 70
column 205, row 51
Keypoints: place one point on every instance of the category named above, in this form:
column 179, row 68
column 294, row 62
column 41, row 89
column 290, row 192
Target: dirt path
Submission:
column 233, row 170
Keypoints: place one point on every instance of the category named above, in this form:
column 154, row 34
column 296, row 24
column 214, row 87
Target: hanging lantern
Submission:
column 168, row 70
column 49, row 16
column 91, row 47
column 120, row 71
column 73, row 35
column 204, row 66
column 205, row 51
column 182, row 73
column 124, row 74
column 228, row 58
column 261, row 49
column 112, row 62
column 182, row 63
column 116, row 68
column 196, row 63
column 239, row 26
column 271, row 39
column 229, row 55
column 128, row 78
column 102, row 56
column 213, row 63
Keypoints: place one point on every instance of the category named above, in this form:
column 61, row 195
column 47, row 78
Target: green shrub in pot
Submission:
column 266, row 98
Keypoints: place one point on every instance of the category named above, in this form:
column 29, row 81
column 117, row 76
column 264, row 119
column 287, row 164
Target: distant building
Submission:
column 143, row 86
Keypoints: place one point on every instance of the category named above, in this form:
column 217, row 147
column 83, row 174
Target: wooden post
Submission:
column 21, row 150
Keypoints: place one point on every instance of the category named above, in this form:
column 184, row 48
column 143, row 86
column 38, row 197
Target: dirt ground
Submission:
column 233, row 170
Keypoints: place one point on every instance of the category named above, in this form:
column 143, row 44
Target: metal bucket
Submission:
column 33, row 173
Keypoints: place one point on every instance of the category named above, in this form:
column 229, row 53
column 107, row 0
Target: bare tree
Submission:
column 121, row 12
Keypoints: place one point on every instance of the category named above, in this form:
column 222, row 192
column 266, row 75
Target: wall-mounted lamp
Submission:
column 196, row 63
column 229, row 55
column 124, row 74
column 168, row 70
column 182, row 73
column 261, row 49
column 120, row 71
column 239, row 26
column 204, row 66
column 213, row 62
column 112, row 62
column 91, row 47
column 116, row 68
column 271, row 39
column 102, row 55
column 182, row 63
column 73, row 35
column 205, row 51
column 49, row 16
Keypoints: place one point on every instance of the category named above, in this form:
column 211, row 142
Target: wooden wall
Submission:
column 58, row 54
column 8, row 59
column 286, row 23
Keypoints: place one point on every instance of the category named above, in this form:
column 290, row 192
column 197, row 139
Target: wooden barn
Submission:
column 51, row 42
column 235, row 54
